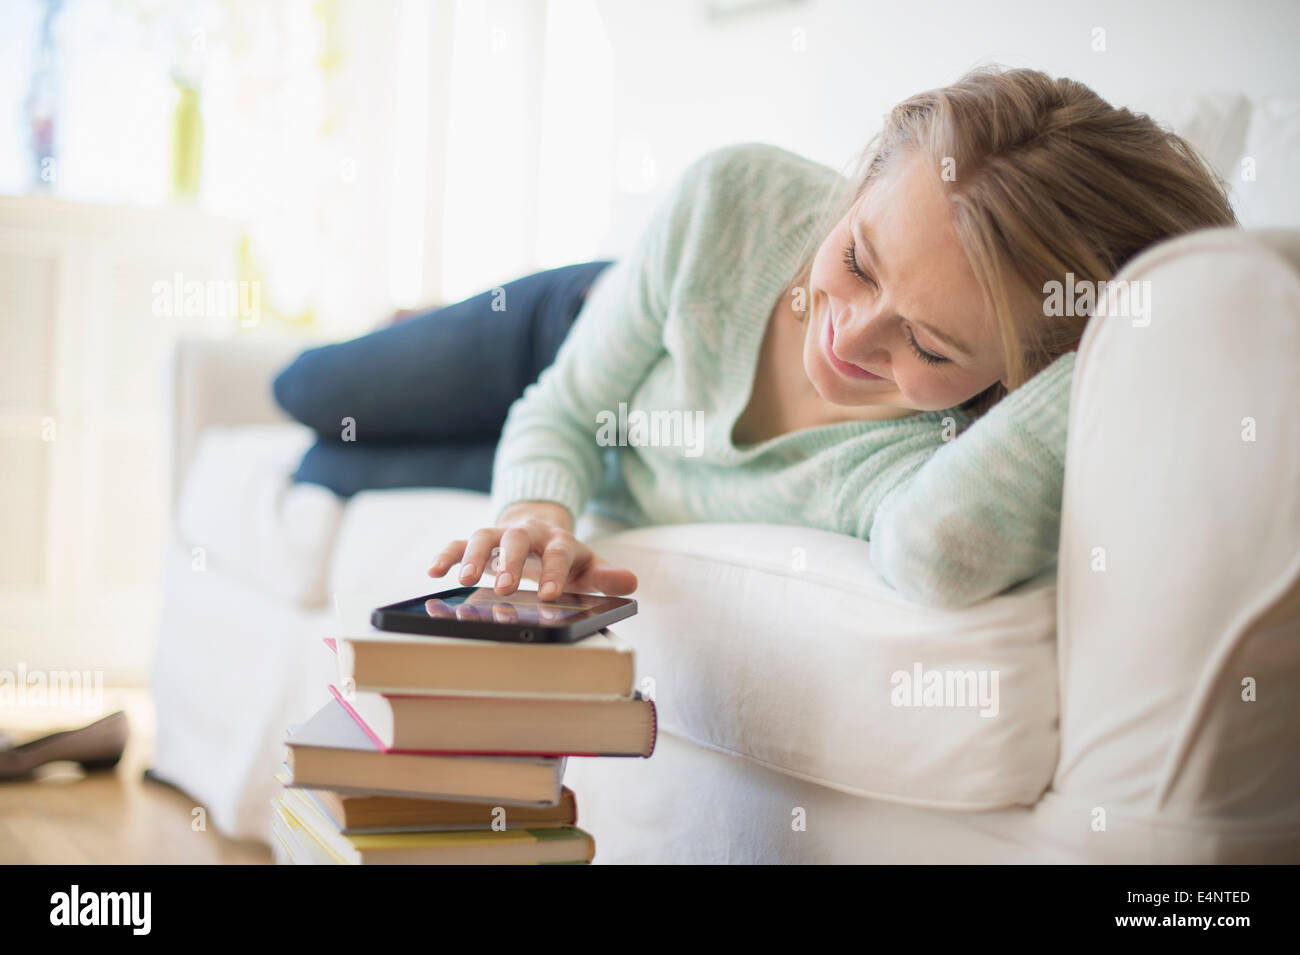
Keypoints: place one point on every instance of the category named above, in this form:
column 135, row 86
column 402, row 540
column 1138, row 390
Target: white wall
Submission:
column 491, row 141
column 684, row 83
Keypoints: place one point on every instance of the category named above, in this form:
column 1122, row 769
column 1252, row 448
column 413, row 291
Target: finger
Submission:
column 474, row 564
column 601, row 576
column 448, row 556
column 556, row 561
column 515, row 545
column 532, row 566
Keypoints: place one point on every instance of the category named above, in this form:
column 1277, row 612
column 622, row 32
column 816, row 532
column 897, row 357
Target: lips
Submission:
column 844, row 367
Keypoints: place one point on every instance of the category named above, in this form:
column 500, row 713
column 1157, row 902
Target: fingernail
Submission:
column 548, row 589
column 504, row 580
column 466, row 571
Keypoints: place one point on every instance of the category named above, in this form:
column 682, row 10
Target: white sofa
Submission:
column 1120, row 732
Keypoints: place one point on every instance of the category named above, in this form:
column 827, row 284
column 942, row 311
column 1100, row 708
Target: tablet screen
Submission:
column 523, row 606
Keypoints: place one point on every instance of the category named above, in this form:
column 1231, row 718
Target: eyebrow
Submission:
column 864, row 243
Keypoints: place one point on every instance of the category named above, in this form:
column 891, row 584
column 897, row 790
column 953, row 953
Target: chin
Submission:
column 825, row 382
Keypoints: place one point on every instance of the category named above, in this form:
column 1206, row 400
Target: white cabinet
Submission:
column 82, row 350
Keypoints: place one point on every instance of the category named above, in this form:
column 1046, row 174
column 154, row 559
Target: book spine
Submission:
column 654, row 728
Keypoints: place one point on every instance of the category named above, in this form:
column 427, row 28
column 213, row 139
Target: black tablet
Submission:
column 521, row 617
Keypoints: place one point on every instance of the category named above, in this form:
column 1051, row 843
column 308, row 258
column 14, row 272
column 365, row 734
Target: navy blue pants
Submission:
column 422, row 403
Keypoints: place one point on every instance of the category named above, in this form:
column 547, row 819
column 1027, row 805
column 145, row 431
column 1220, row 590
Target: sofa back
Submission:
column 1179, row 585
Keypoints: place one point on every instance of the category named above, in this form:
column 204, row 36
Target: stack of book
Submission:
column 452, row 750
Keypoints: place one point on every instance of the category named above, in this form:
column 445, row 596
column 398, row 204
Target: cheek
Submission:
column 933, row 389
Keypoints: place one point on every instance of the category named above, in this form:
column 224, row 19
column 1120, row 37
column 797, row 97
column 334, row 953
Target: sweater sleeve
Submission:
column 548, row 449
column 983, row 512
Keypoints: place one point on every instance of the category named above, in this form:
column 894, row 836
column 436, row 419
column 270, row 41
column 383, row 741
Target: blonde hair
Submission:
column 1049, row 179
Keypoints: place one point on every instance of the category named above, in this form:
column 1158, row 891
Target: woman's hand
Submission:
column 533, row 536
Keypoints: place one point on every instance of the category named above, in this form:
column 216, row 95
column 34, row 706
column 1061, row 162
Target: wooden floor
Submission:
column 66, row 816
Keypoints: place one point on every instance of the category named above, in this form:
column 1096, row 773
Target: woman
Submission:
column 833, row 337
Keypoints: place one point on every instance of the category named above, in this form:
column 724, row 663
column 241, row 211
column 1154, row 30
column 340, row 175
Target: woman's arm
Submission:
column 984, row 511
column 548, row 463
column 548, row 449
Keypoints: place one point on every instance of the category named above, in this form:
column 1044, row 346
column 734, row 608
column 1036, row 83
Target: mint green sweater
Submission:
column 676, row 327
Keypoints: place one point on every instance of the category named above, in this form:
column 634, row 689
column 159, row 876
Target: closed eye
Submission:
column 930, row 358
column 851, row 260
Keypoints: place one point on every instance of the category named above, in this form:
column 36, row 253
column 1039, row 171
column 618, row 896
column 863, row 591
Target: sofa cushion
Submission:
column 1266, row 196
column 782, row 645
column 1213, row 122
column 388, row 539
column 240, row 507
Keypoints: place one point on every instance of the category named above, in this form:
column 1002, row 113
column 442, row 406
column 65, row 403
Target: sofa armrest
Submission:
column 1180, row 520
column 217, row 382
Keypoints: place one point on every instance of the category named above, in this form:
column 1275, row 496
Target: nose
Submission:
column 862, row 334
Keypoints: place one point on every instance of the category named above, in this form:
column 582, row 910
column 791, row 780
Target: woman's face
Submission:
column 896, row 316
